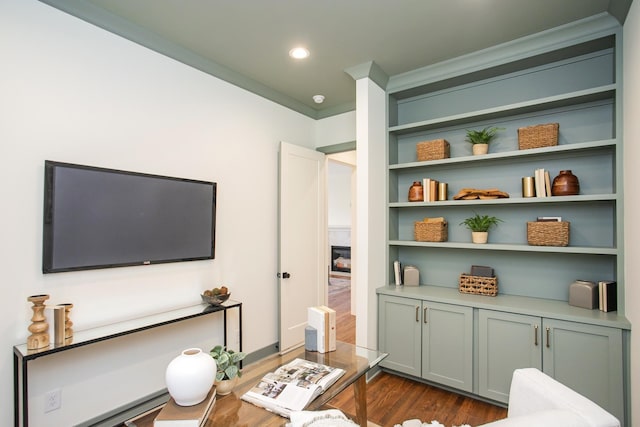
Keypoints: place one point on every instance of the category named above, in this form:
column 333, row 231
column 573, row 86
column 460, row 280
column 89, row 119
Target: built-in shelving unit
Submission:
column 577, row 89
column 571, row 76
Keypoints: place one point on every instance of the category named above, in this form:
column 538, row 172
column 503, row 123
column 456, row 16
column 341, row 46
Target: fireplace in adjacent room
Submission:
column 341, row 258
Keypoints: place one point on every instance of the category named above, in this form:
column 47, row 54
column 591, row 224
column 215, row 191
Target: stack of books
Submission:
column 323, row 320
column 174, row 415
column 607, row 296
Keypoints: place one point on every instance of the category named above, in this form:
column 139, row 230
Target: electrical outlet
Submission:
column 53, row 400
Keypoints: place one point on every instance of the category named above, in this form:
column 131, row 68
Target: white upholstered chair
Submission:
column 535, row 399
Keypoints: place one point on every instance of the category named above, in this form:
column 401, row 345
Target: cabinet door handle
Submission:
column 424, row 314
column 535, row 335
column 417, row 313
column 548, row 337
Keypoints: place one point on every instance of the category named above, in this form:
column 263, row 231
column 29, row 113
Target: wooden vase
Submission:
column 415, row 192
column 39, row 327
column 565, row 184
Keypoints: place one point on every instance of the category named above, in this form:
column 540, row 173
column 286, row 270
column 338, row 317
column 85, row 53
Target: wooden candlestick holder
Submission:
column 39, row 327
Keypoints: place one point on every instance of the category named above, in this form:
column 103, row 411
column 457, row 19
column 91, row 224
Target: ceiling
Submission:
column 246, row 42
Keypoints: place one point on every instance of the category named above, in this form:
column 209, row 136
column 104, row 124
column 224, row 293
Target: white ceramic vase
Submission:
column 190, row 376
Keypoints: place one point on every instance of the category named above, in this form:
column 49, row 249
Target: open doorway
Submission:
column 341, row 178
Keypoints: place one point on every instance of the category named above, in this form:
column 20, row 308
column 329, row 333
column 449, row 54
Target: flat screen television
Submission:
column 100, row 218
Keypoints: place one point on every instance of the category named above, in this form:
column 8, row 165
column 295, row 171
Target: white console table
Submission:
column 22, row 355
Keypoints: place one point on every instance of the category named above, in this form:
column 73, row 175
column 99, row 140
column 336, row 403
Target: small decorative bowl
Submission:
column 215, row 299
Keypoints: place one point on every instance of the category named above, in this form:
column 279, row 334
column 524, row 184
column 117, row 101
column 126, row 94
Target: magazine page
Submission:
column 292, row 386
column 312, row 372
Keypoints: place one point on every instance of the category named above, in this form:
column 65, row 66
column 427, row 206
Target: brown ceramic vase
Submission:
column 415, row 192
column 565, row 184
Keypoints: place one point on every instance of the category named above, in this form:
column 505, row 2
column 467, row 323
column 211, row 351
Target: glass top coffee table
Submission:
column 230, row 410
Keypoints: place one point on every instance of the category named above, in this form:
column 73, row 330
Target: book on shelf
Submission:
column 542, row 183
column 293, row 386
column 397, row 272
column 607, row 296
column 430, row 189
column 549, row 219
column 174, row 415
column 547, row 183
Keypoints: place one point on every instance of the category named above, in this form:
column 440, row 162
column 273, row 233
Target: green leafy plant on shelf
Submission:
column 483, row 136
column 227, row 363
column 481, row 223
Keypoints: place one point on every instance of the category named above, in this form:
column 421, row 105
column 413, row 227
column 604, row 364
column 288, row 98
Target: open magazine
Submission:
column 292, row 386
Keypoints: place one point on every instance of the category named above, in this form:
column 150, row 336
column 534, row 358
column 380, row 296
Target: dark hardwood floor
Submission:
column 392, row 399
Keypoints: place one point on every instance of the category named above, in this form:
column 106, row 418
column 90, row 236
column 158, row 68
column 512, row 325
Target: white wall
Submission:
column 72, row 92
column 339, row 194
column 631, row 99
column 336, row 129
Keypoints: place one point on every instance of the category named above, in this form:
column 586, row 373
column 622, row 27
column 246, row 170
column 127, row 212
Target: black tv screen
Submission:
column 100, row 218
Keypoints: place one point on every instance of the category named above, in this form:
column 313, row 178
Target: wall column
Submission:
column 370, row 232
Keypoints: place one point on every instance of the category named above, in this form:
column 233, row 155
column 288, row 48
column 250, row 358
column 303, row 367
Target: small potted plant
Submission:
column 480, row 139
column 479, row 226
column 227, row 368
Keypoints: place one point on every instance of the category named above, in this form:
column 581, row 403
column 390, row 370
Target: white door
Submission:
column 303, row 230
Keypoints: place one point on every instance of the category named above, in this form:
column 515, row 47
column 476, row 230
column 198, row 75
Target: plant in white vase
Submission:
column 228, row 368
column 480, row 139
column 479, row 226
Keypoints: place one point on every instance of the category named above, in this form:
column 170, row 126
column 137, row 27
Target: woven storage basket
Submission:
column 430, row 231
column 552, row 233
column 478, row 285
column 432, row 150
column 538, row 136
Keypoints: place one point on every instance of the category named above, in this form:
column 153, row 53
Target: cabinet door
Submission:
column 588, row 359
column 447, row 344
column 399, row 333
column 506, row 342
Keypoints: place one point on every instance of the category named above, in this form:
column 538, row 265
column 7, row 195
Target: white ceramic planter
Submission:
column 225, row 387
column 479, row 236
column 190, row 376
column 479, row 149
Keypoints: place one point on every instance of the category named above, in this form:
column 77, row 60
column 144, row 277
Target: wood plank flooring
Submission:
column 392, row 399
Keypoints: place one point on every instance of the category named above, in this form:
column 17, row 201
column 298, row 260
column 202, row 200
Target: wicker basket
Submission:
column 538, row 136
column 478, row 285
column 552, row 233
column 430, row 231
column 432, row 150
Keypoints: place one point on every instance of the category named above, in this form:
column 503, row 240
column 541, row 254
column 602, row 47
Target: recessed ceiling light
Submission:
column 318, row 99
column 298, row 53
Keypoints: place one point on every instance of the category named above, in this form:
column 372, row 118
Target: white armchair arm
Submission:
column 536, row 399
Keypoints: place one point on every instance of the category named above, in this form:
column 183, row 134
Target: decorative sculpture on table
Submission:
column 39, row 329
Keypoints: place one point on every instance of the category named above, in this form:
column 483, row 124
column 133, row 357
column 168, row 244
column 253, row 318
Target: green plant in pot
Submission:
column 479, row 226
column 227, row 368
column 480, row 139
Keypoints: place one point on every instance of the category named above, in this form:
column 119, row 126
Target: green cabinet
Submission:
column 586, row 358
column 447, row 345
column 429, row 340
column 506, row 341
column 400, row 334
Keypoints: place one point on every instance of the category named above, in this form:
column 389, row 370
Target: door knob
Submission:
column 284, row 275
